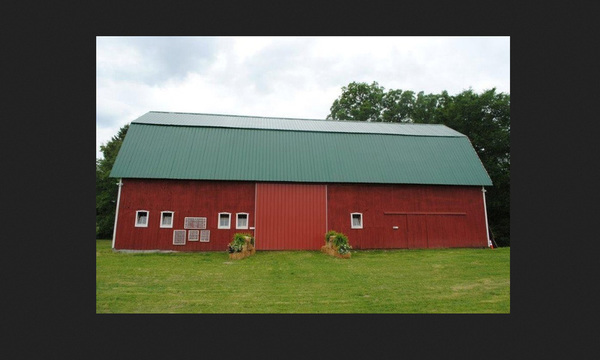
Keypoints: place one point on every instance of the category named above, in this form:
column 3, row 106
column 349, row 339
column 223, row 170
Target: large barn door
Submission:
column 445, row 230
column 395, row 231
column 417, row 231
column 290, row 216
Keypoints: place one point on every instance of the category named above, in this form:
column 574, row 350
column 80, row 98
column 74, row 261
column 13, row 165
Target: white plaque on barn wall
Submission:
column 205, row 236
column 194, row 223
column 193, row 235
column 178, row 237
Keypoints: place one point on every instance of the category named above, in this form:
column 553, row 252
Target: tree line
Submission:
column 106, row 188
column 484, row 118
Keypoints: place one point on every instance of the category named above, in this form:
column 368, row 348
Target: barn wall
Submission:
column 425, row 216
column 186, row 199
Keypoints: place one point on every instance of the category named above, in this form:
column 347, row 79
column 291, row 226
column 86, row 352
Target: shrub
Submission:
column 238, row 242
column 341, row 242
column 328, row 234
column 344, row 248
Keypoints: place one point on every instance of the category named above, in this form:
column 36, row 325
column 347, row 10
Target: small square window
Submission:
column 204, row 235
column 224, row 221
column 141, row 218
column 356, row 221
column 242, row 221
column 178, row 237
column 193, row 235
column 166, row 219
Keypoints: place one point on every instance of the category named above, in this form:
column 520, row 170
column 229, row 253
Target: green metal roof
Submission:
column 225, row 147
column 270, row 123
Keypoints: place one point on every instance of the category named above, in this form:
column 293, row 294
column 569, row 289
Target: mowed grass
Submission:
column 371, row 281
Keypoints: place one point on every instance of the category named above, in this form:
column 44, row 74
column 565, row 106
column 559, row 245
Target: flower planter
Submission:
column 247, row 250
column 342, row 256
column 237, row 255
column 330, row 249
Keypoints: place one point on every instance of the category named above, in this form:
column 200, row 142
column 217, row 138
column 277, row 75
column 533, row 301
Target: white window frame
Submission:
column 190, row 222
column 162, row 216
column 237, row 220
column 193, row 235
column 219, row 221
column 352, row 221
column 137, row 223
column 179, row 232
column 204, row 235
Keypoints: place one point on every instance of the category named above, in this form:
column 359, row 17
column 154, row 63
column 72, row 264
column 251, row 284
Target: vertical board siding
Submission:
column 417, row 235
column 185, row 198
column 446, row 231
column 426, row 216
column 393, row 238
column 295, row 216
column 290, row 216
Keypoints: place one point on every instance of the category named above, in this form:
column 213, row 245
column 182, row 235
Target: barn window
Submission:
column 166, row 219
column 141, row 218
column 356, row 221
column 224, row 220
column 194, row 223
column 193, row 235
column 242, row 221
column 178, row 237
column 205, row 235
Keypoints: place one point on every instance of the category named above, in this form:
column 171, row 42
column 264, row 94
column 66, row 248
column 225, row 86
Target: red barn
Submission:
column 188, row 182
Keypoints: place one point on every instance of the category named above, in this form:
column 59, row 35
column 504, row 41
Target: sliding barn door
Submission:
column 290, row 216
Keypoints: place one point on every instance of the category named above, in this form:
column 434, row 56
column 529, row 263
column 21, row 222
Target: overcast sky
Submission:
column 297, row 77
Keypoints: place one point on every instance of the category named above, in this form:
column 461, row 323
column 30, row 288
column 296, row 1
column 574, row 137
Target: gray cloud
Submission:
column 106, row 120
column 159, row 59
column 275, row 64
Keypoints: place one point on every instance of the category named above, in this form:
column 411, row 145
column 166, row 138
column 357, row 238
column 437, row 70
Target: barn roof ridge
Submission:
column 237, row 115
column 165, row 118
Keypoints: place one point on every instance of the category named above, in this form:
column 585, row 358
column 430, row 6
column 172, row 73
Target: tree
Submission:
column 398, row 106
column 106, row 189
column 358, row 102
column 425, row 107
column 484, row 118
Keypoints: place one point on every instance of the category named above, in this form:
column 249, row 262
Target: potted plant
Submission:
column 336, row 244
column 241, row 246
column 330, row 237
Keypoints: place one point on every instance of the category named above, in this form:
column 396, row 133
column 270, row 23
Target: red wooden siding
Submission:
column 290, row 216
column 417, row 237
column 425, row 216
column 293, row 216
column 186, row 199
column 446, row 231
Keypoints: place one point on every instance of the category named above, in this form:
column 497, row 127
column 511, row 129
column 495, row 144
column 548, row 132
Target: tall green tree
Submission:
column 358, row 102
column 484, row 118
column 425, row 107
column 398, row 106
column 106, row 188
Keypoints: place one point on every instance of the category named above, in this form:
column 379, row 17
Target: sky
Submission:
column 292, row 77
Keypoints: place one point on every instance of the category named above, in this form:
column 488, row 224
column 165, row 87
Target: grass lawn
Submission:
column 371, row 281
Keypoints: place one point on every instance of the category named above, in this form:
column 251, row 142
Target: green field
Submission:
column 375, row 281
